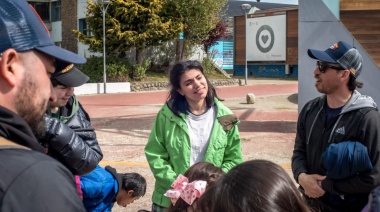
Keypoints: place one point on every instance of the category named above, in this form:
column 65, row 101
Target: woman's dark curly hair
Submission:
column 179, row 104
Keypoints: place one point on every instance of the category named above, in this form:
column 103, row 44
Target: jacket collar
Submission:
column 14, row 128
column 115, row 175
column 357, row 101
column 69, row 109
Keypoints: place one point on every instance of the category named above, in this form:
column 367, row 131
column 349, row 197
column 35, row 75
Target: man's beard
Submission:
column 32, row 114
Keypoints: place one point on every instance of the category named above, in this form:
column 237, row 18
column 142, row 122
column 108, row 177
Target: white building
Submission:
column 61, row 17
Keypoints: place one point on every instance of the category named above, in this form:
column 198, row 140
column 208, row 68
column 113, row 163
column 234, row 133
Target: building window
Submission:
column 42, row 9
column 56, row 11
column 83, row 27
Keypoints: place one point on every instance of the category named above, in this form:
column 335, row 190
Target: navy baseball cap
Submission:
column 68, row 75
column 22, row 29
column 342, row 53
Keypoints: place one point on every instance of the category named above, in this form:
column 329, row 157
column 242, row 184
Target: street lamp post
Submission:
column 246, row 8
column 105, row 4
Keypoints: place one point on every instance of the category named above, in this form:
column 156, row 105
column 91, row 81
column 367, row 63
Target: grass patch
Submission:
column 155, row 77
column 215, row 75
column 151, row 76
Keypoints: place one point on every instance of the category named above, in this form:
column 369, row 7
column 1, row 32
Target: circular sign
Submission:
column 265, row 38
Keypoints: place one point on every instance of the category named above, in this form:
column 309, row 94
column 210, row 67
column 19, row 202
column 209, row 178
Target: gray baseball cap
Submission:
column 342, row 53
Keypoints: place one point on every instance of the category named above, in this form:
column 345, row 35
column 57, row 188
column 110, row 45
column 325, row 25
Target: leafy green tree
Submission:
column 130, row 24
column 198, row 17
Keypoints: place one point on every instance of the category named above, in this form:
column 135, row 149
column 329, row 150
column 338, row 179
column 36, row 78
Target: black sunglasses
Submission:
column 324, row 66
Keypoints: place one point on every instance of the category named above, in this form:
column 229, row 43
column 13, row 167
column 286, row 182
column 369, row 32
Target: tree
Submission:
column 214, row 36
column 198, row 17
column 129, row 24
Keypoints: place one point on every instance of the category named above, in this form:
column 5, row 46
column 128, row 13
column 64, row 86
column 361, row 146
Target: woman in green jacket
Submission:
column 192, row 126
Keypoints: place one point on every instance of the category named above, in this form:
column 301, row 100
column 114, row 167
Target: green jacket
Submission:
column 168, row 148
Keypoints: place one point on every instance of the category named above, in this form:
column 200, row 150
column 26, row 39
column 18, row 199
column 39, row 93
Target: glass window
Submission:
column 83, row 27
column 56, row 11
column 42, row 9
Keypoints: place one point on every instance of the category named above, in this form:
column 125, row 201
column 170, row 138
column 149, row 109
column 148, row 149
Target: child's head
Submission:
column 133, row 187
column 256, row 185
column 200, row 171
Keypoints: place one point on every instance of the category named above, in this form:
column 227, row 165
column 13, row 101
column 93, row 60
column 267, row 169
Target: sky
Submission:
column 281, row 1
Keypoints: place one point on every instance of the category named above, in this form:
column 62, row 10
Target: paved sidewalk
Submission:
column 123, row 122
column 110, row 105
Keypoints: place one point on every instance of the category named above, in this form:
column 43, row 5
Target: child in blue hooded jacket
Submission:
column 104, row 186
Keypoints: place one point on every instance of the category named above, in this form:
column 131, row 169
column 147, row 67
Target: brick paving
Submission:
column 123, row 122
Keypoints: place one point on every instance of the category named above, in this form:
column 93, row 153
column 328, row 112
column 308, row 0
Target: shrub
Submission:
column 117, row 69
column 208, row 65
column 93, row 68
column 138, row 70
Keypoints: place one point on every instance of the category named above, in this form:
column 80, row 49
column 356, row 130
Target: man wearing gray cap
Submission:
column 29, row 179
column 342, row 114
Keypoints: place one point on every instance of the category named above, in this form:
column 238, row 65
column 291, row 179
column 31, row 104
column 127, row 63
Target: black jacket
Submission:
column 29, row 179
column 72, row 140
column 359, row 121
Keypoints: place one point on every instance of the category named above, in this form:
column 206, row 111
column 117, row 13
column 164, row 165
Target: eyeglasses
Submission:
column 324, row 66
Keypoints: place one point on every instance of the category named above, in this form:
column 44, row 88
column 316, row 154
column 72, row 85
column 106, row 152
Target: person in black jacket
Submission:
column 69, row 137
column 29, row 179
column 342, row 114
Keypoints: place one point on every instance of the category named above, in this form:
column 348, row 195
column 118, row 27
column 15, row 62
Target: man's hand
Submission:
column 312, row 184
